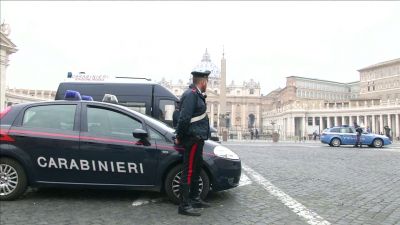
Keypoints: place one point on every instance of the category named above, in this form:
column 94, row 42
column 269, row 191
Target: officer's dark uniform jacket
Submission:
column 193, row 104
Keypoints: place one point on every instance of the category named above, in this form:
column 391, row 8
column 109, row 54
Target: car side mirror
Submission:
column 140, row 134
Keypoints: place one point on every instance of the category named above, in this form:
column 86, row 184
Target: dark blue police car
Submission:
column 80, row 143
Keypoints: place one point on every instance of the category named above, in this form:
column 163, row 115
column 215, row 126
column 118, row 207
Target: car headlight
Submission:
column 224, row 152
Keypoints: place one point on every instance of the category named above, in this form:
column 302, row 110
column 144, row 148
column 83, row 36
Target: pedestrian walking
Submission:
column 315, row 135
column 192, row 129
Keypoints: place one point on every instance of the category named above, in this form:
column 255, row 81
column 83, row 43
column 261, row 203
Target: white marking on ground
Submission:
column 387, row 149
column 280, row 146
column 139, row 202
column 311, row 217
column 244, row 180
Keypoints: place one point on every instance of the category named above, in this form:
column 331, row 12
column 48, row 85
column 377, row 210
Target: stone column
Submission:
column 373, row 128
column 258, row 116
column 396, row 117
column 7, row 48
column 218, row 113
column 389, row 121
column 293, row 126
column 285, row 128
column 222, row 94
column 328, row 121
column 233, row 113
column 321, row 124
column 336, row 121
column 212, row 114
column 244, row 117
column 380, row 123
column 305, row 125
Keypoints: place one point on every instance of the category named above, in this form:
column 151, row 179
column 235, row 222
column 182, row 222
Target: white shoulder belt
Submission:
column 197, row 118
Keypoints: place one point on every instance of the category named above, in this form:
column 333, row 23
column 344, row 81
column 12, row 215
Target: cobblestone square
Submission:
column 340, row 185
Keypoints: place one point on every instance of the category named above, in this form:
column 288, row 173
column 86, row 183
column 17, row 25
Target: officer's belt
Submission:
column 197, row 118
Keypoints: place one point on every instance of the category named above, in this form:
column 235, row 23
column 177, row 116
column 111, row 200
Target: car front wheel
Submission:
column 335, row 142
column 13, row 181
column 173, row 181
column 378, row 143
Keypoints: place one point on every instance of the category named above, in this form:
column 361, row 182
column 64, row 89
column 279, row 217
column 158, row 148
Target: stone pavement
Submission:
column 343, row 185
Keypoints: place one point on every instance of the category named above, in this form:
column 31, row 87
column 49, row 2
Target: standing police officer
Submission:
column 193, row 128
column 358, row 137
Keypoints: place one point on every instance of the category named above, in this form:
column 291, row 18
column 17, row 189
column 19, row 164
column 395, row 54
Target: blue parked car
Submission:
column 346, row 135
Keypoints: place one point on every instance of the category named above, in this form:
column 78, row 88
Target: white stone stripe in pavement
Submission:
column 311, row 217
column 244, row 180
column 144, row 201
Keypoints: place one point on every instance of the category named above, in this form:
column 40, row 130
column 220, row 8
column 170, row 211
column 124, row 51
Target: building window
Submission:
column 251, row 91
column 317, row 122
column 310, row 121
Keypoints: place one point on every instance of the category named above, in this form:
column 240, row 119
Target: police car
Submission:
column 83, row 143
column 346, row 135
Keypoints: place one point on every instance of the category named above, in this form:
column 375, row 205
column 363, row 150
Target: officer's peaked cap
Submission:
column 201, row 73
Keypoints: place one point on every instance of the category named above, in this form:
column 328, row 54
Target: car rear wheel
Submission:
column 173, row 181
column 378, row 143
column 13, row 181
column 335, row 142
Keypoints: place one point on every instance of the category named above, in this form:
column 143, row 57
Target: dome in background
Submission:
column 206, row 64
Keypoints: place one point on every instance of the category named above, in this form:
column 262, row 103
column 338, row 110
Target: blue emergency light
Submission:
column 72, row 95
column 87, row 98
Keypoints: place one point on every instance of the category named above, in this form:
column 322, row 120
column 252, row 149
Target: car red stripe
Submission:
column 43, row 133
column 191, row 158
column 6, row 137
column 89, row 138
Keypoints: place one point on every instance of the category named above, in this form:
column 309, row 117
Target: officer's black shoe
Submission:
column 199, row 203
column 355, row 146
column 188, row 211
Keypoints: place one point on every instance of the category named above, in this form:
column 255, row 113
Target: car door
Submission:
column 347, row 135
column 49, row 134
column 114, row 155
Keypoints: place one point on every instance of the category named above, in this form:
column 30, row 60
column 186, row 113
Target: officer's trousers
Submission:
column 358, row 140
column 192, row 163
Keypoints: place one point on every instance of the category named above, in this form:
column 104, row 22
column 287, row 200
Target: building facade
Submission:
column 381, row 80
column 306, row 105
column 6, row 49
column 16, row 96
column 236, row 107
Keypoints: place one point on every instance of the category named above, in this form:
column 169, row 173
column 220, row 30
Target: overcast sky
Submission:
column 263, row 40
